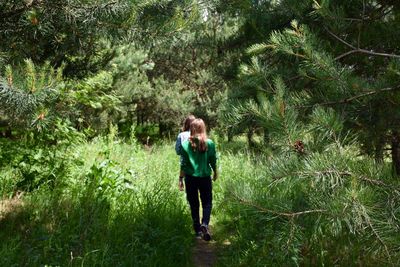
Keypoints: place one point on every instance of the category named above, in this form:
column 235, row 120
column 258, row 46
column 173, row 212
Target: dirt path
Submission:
column 204, row 253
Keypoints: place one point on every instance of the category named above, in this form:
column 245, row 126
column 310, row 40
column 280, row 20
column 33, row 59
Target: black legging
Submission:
column 193, row 186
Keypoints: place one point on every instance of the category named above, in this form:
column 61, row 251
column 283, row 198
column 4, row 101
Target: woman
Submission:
column 198, row 162
column 184, row 135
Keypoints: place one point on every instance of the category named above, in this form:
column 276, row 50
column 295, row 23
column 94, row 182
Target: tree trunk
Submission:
column 8, row 132
column 230, row 135
column 250, row 140
column 396, row 152
column 161, row 129
column 379, row 149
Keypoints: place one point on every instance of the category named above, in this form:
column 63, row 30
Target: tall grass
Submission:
column 117, row 205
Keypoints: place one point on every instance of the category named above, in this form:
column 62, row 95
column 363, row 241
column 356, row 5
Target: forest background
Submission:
column 302, row 98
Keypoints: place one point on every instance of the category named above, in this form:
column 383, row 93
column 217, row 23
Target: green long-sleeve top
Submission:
column 198, row 164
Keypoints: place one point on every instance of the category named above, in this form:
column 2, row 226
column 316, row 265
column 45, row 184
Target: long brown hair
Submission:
column 198, row 135
column 187, row 122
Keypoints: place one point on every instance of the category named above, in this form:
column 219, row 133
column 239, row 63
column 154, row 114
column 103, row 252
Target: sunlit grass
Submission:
column 118, row 205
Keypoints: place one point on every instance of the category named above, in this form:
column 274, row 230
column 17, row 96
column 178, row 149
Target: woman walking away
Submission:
column 198, row 162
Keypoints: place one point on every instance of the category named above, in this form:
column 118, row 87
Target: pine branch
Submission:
column 95, row 7
column 291, row 236
column 358, row 50
column 340, row 173
column 15, row 103
column 350, row 99
column 315, row 173
column 380, row 183
column 380, row 239
column 284, row 214
column 18, row 11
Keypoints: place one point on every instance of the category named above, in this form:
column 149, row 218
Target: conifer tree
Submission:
column 331, row 58
column 317, row 86
column 61, row 32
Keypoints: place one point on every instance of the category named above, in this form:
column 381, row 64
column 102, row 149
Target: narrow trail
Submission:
column 204, row 253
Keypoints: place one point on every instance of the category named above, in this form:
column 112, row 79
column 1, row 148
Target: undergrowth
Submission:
column 111, row 203
column 115, row 205
column 331, row 208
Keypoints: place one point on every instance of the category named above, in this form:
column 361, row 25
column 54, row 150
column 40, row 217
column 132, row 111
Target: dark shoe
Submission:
column 206, row 233
column 198, row 235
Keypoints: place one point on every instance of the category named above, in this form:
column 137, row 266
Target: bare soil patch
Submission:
column 204, row 253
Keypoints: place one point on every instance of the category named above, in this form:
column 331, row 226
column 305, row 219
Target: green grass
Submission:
column 118, row 206
column 110, row 203
column 254, row 196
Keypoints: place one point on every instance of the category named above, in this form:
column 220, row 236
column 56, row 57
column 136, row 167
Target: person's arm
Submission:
column 181, row 185
column 178, row 145
column 215, row 176
column 213, row 160
column 183, row 162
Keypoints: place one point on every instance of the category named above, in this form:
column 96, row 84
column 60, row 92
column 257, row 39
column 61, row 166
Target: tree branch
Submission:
column 284, row 214
column 379, row 238
column 346, row 54
column 316, row 173
column 358, row 50
column 350, row 99
column 94, row 7
column 368, row 52
column 380, row 183
column 18, row 11
column 340, row 39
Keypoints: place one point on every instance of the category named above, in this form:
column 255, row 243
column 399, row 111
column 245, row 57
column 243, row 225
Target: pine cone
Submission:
column 299, row 147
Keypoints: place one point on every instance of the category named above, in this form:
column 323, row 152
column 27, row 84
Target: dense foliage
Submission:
column 99, row 203
column 312, row 86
